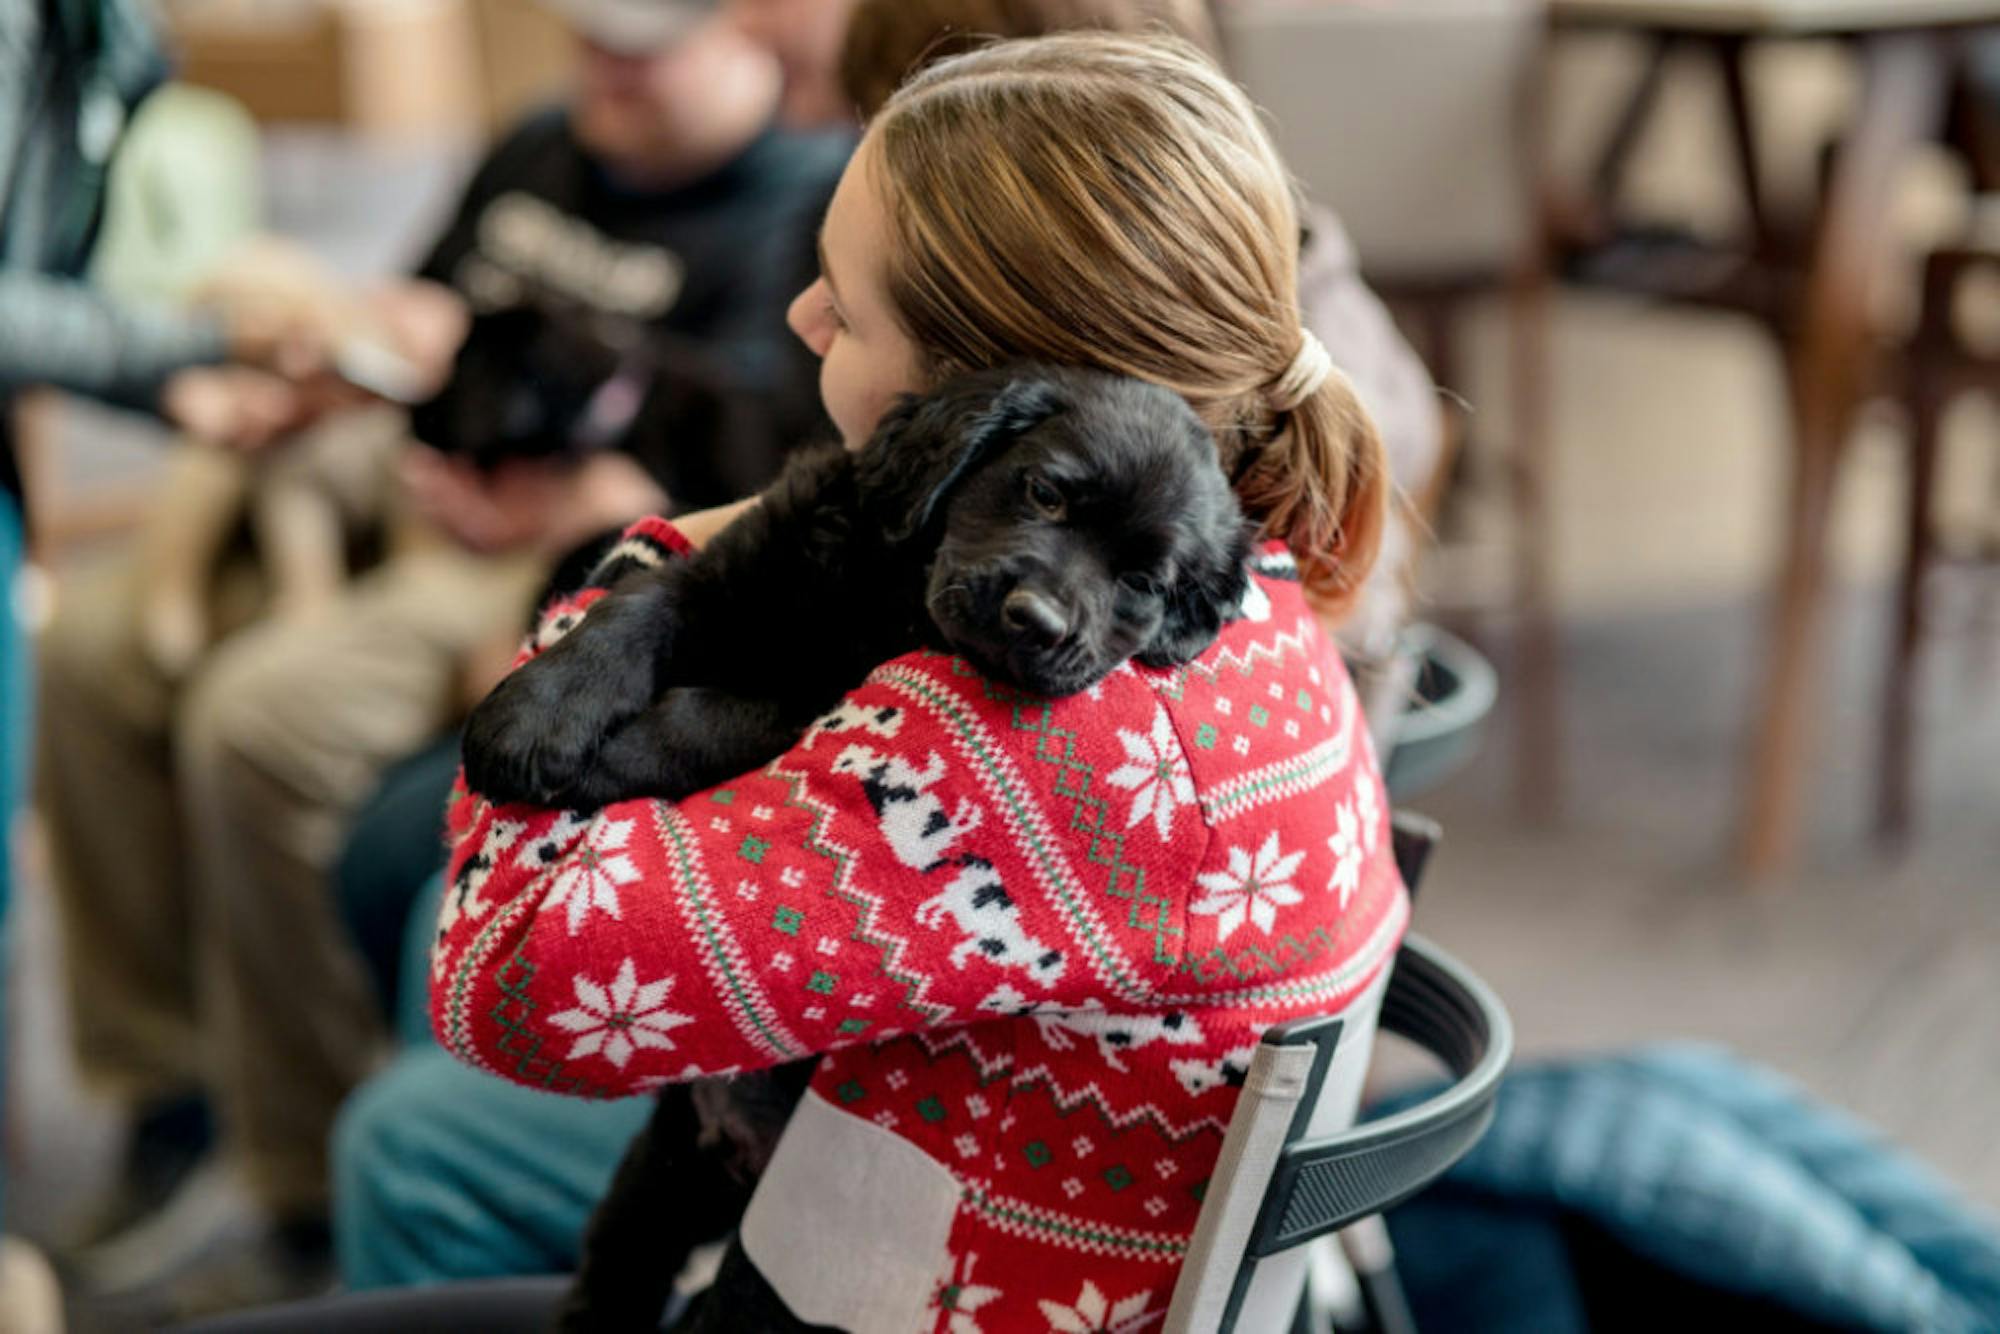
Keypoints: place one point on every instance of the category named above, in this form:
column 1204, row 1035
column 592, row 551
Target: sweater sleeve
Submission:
column 897, row 869
column 59, row 331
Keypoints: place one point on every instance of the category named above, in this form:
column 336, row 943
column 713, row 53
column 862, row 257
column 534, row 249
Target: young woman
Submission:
column 1188, row 856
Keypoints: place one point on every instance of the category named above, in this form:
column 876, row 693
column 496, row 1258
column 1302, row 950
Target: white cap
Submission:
column 634, row 27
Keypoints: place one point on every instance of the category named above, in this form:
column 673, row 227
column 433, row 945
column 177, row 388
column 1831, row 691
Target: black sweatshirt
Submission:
column 576, row 280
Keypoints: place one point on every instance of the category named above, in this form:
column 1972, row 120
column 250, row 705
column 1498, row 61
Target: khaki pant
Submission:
column 193, row 828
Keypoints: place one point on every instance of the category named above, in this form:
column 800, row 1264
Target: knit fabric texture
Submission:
column 1036, row 940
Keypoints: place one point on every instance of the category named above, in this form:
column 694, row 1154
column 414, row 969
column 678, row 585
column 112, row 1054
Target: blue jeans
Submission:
column 441, row 1172
column 15, row 661
column 14, row 715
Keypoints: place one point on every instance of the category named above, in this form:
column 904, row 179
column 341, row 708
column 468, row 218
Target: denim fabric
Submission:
column 1722, row 1174
column 443, row 1172
column 14, row 726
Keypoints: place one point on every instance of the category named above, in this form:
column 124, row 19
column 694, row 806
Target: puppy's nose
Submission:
column 1031, row 617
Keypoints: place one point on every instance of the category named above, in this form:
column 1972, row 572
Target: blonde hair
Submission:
column 1113, row 201
column 889, row 40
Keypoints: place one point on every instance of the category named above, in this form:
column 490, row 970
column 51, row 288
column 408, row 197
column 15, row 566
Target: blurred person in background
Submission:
column 192, row 822
column 72, row 73
column 422, row 1140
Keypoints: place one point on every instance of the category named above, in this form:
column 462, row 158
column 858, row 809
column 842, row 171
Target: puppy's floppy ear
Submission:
column 1208, row 590
column 927, row 443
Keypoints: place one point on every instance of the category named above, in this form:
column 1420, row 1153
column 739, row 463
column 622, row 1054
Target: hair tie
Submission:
column 1302, row 379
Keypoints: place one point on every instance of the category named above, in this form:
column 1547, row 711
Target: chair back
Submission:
column 1279, row 1183
column 1441, row 719
column 1412, row 121
column 1293, row 1166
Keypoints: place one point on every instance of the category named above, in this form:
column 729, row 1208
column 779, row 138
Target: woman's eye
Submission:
column 1045, row 498
column 1142, row 584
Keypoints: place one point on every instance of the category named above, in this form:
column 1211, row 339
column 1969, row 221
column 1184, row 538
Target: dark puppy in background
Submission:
column 1045, row 523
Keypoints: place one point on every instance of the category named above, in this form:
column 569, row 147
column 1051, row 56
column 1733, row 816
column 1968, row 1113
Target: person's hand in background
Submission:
column 280, row 340
column 238, row 407
column 424, row 323
column 545, row 505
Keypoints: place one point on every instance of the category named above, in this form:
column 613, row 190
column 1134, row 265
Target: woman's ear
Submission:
column 927, row 443
column 1208, row 591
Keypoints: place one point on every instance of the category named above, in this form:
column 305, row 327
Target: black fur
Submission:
column 1046, row 523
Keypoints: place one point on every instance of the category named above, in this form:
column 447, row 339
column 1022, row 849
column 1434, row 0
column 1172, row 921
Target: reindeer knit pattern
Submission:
column 1035, row 941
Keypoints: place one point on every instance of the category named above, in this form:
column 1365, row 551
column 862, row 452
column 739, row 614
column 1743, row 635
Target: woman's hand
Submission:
column 425, row 323
column 699, row 527
column 237, row 407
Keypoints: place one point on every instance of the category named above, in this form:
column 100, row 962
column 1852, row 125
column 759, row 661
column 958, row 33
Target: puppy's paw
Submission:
column 533, row 739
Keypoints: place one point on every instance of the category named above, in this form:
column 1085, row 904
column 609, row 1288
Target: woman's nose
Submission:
column 808, row 318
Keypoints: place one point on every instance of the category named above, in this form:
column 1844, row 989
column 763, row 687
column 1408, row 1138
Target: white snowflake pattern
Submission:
column 616, row 1021
column 1252, row 887
column 1346, row 846
column 1155, row 772
column 960, row 1298
column 1093, row 1313
column 1368, row 807
column 589, row 879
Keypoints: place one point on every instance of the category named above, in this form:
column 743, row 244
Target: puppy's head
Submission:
column 1080, row 519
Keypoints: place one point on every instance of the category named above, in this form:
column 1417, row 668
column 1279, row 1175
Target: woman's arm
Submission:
column 700, row 526
column 59, row 331
column 894, row 870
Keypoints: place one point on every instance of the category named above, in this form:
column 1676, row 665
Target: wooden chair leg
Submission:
column 1897, row 770
column 1902, row 101
column 1539, row 770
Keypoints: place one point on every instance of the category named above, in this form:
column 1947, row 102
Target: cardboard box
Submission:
column 527, row 56
column 393, row 67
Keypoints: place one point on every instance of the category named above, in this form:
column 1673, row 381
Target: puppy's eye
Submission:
column 1043, row 495
column 1142, row 584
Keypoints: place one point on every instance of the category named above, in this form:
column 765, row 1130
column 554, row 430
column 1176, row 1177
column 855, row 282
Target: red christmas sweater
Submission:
column 1035, row 941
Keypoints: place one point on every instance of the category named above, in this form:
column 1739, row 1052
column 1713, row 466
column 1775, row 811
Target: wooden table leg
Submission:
column 1537, row 636
column 1732, row 55
column 1902, row 102
column 1607, row 176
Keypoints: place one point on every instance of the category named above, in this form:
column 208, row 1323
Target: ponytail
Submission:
column 1114, row 201
column 1321, row 485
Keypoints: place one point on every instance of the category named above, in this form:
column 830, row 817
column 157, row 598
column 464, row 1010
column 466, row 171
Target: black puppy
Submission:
column 1047, row 524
